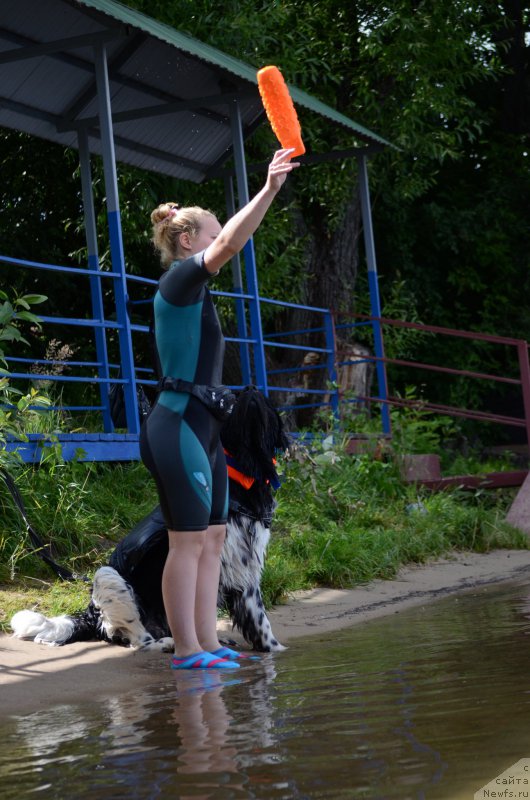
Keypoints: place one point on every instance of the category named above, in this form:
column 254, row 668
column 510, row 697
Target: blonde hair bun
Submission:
column 169, row 220
column 164, row 212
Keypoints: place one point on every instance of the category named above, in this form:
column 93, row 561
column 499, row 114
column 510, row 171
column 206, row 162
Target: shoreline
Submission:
column 34, row 677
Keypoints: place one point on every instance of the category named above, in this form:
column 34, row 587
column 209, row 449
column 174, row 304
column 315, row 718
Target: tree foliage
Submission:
column 447, row 83
column 16, row 407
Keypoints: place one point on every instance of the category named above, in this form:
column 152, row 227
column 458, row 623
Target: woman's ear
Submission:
column 185, row 241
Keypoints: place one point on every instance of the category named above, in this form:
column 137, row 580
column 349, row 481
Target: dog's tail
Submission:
column 112, row 616
column 53, row 630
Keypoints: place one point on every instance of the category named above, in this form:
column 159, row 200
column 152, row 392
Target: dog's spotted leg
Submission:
column 241, row 568
column 120, row 619
column 257, row 622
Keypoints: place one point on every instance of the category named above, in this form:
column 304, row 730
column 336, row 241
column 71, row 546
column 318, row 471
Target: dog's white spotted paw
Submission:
column 164, row 645
column 43, row 640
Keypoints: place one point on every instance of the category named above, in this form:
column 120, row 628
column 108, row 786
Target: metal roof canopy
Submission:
column 170, row 93
column 103, row 78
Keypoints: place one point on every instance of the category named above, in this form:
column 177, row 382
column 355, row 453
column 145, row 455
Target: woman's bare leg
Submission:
column 179, row 588
column 207, row 588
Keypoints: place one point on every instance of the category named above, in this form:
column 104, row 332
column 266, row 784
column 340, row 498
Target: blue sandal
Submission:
column 202, row 660
column 233, row 655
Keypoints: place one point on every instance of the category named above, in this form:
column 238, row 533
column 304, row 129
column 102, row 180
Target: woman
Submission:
column 180, row 441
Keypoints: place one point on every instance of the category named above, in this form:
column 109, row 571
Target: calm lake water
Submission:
column 429, row 703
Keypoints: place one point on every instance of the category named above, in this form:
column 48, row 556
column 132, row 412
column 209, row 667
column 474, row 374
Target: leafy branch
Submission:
column 15, row 405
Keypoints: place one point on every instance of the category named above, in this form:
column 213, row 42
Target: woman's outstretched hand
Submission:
column 279, row 168
column 242, row 225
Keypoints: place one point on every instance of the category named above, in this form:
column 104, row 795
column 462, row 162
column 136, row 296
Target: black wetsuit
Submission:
column 179, row 441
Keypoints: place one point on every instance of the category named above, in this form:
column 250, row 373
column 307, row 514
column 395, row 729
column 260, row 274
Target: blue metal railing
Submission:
column 270, row 341
column 105, row 373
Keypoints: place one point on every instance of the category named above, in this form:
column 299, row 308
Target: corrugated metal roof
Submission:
column 220, row 59
column 171, row 94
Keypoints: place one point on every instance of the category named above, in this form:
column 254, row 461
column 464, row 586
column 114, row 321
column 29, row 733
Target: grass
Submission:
column 81, row 509
column 341, row 520
column 49, row 596
column 345, row 521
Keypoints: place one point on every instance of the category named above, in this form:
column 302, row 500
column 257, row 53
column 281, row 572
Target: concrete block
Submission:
column 519, row 513
column 421, row 467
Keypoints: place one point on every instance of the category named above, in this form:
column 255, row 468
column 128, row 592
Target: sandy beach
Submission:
column 37, row 676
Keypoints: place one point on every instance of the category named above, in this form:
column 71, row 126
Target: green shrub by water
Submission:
column 81, row 509
column 341, row 520
column 345, row 520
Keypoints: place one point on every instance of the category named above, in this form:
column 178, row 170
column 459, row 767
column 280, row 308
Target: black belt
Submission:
column 219, row 400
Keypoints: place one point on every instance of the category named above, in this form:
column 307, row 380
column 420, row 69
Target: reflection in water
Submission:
column 202, row 724
column 207, row 758
column 431, row 703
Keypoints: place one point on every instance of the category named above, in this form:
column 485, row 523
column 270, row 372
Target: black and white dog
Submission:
column 126, row 604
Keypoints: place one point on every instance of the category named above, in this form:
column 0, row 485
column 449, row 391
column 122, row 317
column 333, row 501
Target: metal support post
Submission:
column 237, row 282
column 260, row 367
column 331, row 361
column 373, row 285
column 116, row 242
column 95, row 283
column 524, row 368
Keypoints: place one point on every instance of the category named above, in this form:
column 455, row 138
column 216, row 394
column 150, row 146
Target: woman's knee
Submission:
column 186, row 543
column 215, row 537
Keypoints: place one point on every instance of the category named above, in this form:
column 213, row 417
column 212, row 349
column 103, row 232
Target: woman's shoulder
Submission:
column 184, row 281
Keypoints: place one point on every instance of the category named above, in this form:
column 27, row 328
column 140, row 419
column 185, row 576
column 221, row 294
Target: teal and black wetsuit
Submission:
column 179, row 441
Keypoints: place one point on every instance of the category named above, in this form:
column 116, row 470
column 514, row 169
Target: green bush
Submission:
column 341, row 520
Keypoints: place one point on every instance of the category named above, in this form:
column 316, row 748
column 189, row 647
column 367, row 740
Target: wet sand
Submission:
column 37, row 676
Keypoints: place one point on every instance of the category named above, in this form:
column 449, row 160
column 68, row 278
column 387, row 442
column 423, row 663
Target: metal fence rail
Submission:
column 522, row 381
column 103, row 373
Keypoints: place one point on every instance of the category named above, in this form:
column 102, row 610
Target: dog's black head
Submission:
column 253, row 434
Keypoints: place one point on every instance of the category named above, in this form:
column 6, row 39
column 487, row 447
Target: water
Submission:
column 431, row 703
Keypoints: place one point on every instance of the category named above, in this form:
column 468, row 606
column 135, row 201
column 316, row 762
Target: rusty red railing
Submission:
column 523, row 379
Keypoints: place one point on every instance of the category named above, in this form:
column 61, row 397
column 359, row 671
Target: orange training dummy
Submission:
column 280, row 109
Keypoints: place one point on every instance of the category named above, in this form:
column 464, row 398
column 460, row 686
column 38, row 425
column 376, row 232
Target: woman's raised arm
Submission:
column 239, row 228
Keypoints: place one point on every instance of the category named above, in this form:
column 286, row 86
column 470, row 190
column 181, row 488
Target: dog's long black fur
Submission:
column 126, row 605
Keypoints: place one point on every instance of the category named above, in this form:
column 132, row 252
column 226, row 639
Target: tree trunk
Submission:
column 332, row 263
